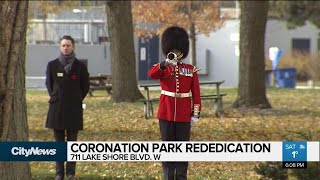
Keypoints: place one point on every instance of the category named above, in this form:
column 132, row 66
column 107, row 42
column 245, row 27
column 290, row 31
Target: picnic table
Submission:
column 216, row 96
column 148, row 106
column 100, row 82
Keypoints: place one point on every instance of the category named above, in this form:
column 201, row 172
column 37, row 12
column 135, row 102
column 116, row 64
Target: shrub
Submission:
column 271, row 170
column 312, row 172
column 307, row 66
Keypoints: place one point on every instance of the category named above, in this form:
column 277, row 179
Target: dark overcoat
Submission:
column 67, row 91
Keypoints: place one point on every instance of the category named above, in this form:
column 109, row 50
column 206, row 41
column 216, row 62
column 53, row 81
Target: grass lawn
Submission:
column 295, row 116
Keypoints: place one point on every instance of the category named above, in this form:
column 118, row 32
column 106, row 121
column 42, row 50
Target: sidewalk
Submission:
column 307, row 87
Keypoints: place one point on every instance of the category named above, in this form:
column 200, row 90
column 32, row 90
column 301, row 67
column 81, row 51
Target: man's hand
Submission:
column 194, row 120
column 164, row 65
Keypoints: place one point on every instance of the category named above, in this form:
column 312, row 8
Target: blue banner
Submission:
column 274, row 55
column 276, row 61
column 33, row 151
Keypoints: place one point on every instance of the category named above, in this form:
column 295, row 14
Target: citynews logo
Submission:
column 33, row 151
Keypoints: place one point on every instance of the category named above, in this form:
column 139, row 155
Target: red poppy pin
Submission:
column 73, row 77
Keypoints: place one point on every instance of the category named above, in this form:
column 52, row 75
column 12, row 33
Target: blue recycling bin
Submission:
column 286, row 77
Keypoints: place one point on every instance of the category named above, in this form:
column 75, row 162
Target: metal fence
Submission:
column 86, row 26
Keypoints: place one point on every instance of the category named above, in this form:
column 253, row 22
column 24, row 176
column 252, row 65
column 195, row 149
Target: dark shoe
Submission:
column 58, row 177
column 70, row 177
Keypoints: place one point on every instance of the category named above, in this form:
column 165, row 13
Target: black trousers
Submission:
column 59, row 136
column 175, row 131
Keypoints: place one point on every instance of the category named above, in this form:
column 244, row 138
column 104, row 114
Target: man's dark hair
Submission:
column 67, row 37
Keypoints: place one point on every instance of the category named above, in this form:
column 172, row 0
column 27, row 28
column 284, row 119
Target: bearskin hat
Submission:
column 175, row 37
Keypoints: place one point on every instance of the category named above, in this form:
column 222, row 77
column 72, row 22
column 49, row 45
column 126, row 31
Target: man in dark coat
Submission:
column 67, row 81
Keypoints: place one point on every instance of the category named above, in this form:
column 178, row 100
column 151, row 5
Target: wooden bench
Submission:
column 148, row 107
column 100, row 82
column 217, row 97
column 217, row 105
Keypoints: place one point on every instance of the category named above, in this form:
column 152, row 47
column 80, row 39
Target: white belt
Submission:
column 173, row 94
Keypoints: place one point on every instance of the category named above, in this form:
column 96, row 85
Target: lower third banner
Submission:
column 292, row 154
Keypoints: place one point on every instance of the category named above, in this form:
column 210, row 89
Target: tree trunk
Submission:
column 251, row 90
column 193, row 44
column 13, row 114
column 124, row 79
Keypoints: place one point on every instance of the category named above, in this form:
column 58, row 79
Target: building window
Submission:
column 229, row 9
column 301, row 45
column 228, row 4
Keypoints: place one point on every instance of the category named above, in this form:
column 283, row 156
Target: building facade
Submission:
column 217, row 54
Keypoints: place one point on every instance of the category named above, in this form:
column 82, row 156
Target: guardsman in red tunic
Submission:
column 180, row 102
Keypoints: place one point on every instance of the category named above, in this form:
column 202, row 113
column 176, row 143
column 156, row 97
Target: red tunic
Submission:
column 182, row 78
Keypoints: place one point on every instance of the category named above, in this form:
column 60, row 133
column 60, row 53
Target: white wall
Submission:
column 222, row 59
column 38, row 56
column 223, row 63
column 278, row 35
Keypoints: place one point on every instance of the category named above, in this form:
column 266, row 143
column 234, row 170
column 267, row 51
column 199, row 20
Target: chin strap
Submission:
column 179, row 60
column 180, row 56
